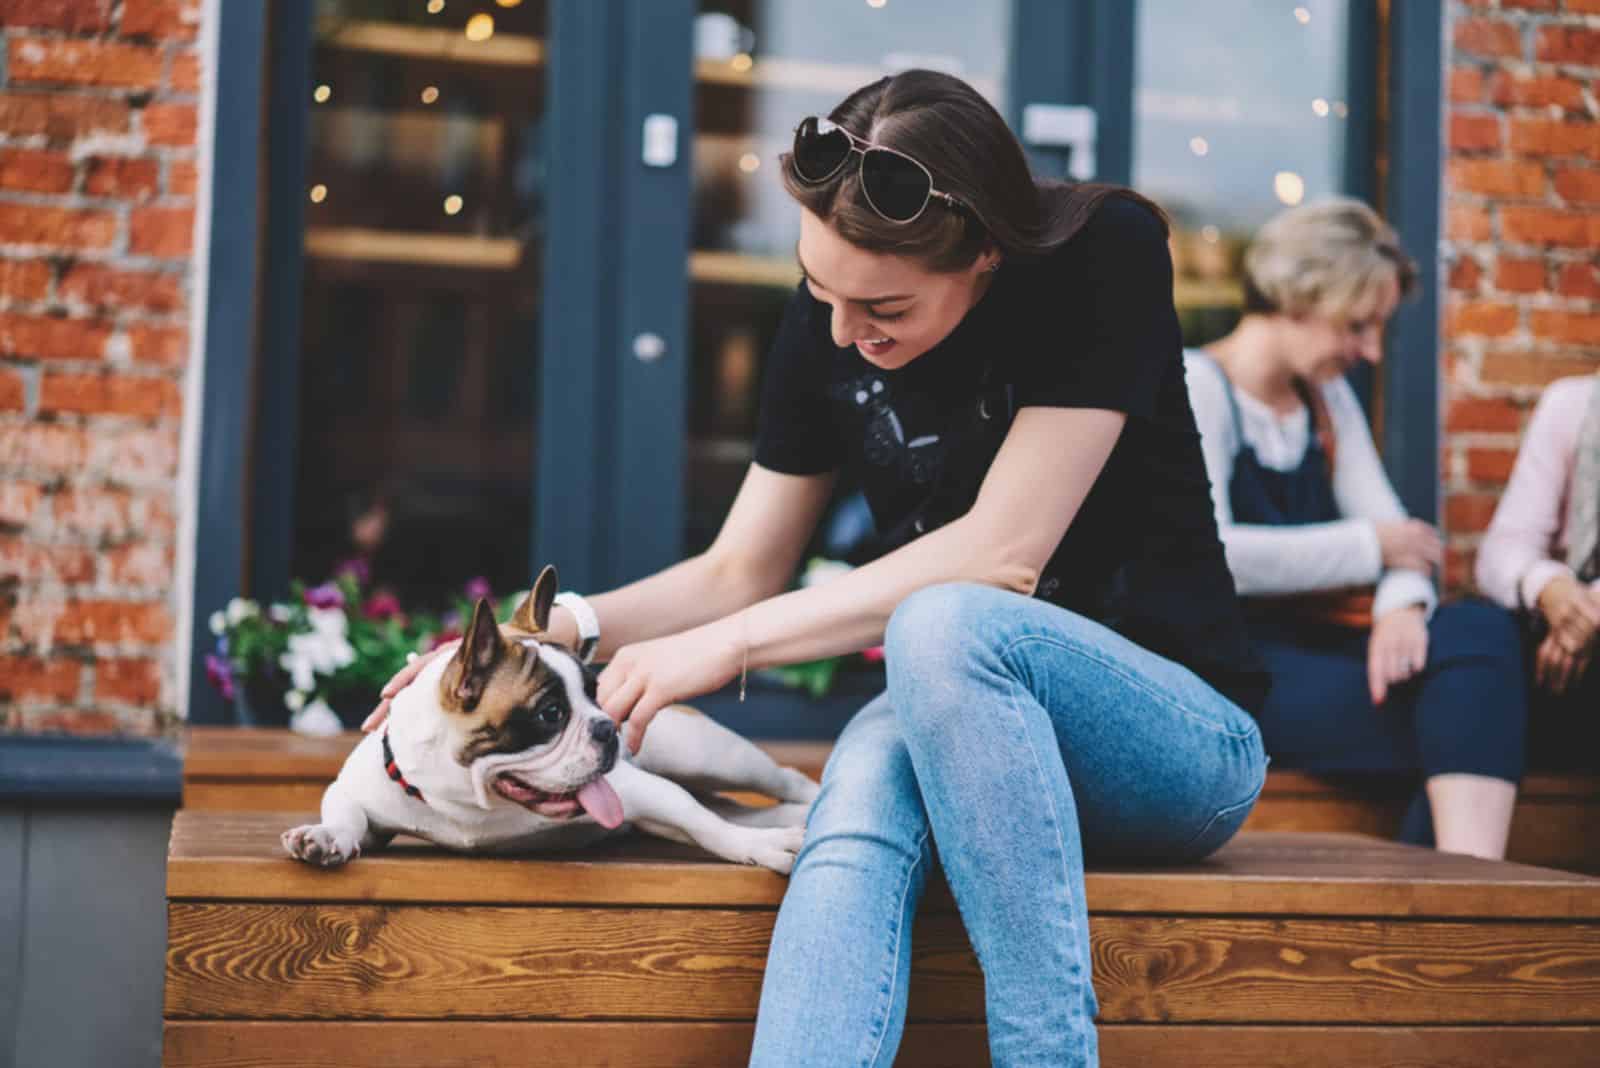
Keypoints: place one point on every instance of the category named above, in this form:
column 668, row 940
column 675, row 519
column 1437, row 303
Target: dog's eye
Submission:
column 550, row 714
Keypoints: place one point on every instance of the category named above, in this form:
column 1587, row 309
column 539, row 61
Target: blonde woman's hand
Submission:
column 1396, row 651
column 1410, row 544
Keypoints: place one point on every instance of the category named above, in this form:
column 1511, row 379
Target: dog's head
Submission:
column 522, row 713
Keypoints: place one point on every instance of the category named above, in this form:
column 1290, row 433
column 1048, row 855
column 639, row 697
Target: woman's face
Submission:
column 890, row 308
column 1320, row 348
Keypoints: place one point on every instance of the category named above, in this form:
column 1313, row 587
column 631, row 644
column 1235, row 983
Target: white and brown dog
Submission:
column 488, row 749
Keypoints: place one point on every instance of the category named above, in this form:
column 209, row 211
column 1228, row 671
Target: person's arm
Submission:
column 1267, row 560
column 1515, row 561
column 754, row 556
column 1362, row 490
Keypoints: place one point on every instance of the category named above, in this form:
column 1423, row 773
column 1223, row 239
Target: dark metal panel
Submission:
column 277, row 391
column 13, row 907
column 1411, row 371
column 94, row 935
column 1362, row 94
column 230, row 330
column 1077, row 53
column 649, row 419
column 578, row 327
column 90, row 769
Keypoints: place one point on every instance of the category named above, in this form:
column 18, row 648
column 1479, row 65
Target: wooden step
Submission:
column 1556, row 823
column 644, row 952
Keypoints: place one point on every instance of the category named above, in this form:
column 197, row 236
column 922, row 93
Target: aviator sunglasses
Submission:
column 896, row 186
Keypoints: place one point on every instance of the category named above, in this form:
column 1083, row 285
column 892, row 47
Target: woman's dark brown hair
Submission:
column 948, row 127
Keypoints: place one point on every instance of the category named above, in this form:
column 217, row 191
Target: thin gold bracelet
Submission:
column 744, row 668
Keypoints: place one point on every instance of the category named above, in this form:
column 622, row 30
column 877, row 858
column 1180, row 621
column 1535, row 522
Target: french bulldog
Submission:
column 496, row 748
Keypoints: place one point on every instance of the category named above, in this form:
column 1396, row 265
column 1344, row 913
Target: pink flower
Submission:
column 219, row 672
column 358, row 568
column 325, row 596
column 873, row 655
column 382, row 605
column 478, row 587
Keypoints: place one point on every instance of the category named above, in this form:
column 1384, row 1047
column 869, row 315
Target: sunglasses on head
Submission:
column 896, row 186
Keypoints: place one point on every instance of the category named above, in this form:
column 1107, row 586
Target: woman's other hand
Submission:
column 1573, row 612
column 1410, row 544
column 1555, row 670
column 1397, row 650
column 645, row 677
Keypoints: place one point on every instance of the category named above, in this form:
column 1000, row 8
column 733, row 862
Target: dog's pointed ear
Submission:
column 533, row 614
column 476, row 658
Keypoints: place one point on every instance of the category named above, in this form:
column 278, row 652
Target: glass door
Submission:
column 417, row 365
column 760, row 66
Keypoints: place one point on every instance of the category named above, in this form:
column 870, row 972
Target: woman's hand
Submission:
column 1410, row 544
column 1556, row 669
column 1397, row 650
column 645, row 677
column 401, row 680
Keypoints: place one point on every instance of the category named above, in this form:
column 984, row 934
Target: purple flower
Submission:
column 325, row 596
column 380, row 606
column 358, row 568
column 219, row 672
column 478, row 587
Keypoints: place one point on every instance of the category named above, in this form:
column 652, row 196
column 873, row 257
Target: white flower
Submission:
column 219, row 623
column 279, row 613
column 321, row 651
column 240, row 610
column 819, row 571
column 316, row 719
column 294, row 700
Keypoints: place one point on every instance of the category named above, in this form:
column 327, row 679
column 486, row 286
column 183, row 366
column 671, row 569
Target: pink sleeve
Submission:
column 1518, row 555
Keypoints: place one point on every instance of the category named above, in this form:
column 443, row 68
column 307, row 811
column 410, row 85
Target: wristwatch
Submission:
column 588, row 623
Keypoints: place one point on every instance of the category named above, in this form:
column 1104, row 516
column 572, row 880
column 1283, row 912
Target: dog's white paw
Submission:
column 322, row 845
column 798, row 787
column 776, row 847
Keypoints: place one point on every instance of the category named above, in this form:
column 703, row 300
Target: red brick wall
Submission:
column 1522, row 235
column 97, row 180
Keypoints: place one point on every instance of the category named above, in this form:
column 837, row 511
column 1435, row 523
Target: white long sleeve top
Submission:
column 1526, row 544
column 1269, row 559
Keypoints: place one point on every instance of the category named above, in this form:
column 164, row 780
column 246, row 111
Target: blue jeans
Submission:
column 1017, row 736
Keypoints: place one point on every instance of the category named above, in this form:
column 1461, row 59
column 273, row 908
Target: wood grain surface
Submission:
column 241, row 1044
column 355, row 961
column 236, row 855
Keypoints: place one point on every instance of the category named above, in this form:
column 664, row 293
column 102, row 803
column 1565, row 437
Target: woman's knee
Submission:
column 1476, row 629
column 869, row 811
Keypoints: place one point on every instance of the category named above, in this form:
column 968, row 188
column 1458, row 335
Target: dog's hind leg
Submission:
column 702, row 754
column 342, row 836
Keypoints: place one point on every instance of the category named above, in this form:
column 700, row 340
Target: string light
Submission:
column 430, row 94
column 452, row 204
column 741, row 62
column 1302, row 15
column 1210, row 234
column 509, row 3
column 321, row 93
column 435, row 6
column 876, row 3
column 1320, row 106
column 1199, row 146
column 749, row 163
column 319, row 193
column 1341, row 109
column 1290, row 187
column 480, row 27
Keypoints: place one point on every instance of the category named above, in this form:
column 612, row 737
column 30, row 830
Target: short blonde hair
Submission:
column 1329, row 257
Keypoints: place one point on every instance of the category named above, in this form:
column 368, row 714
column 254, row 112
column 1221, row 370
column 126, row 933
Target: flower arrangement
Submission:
column 330, row 646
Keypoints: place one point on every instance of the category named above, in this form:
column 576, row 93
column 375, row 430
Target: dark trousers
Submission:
column 1466, row 712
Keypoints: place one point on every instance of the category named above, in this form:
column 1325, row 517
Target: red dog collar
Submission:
column 393, row 769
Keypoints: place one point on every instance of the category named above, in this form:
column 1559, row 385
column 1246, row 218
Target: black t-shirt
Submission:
column 1091, row 325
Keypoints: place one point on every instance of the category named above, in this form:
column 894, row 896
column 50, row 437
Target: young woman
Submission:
column 998, row 360
column 1541, row 557
column 1304, row 507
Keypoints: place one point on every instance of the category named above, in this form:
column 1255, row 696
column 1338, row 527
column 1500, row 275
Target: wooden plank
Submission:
column 257, row 795
column 486, row 1044
column 237, row 855
column 359, row 961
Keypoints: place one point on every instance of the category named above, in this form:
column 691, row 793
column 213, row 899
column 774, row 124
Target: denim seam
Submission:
column 1227, row 810
column 1088, row 652
column 899, row 936
column 1061, row 845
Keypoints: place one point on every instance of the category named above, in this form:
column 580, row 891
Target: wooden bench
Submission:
column 1307, row 949
column 1556, row 823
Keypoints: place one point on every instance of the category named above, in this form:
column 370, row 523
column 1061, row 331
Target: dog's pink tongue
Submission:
column 601, row 801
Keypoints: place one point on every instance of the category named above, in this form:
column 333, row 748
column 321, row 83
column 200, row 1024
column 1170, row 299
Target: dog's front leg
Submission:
column 343, row 835
column 665, row 809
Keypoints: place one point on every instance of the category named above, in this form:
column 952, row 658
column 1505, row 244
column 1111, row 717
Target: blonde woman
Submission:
column 1389, row 682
